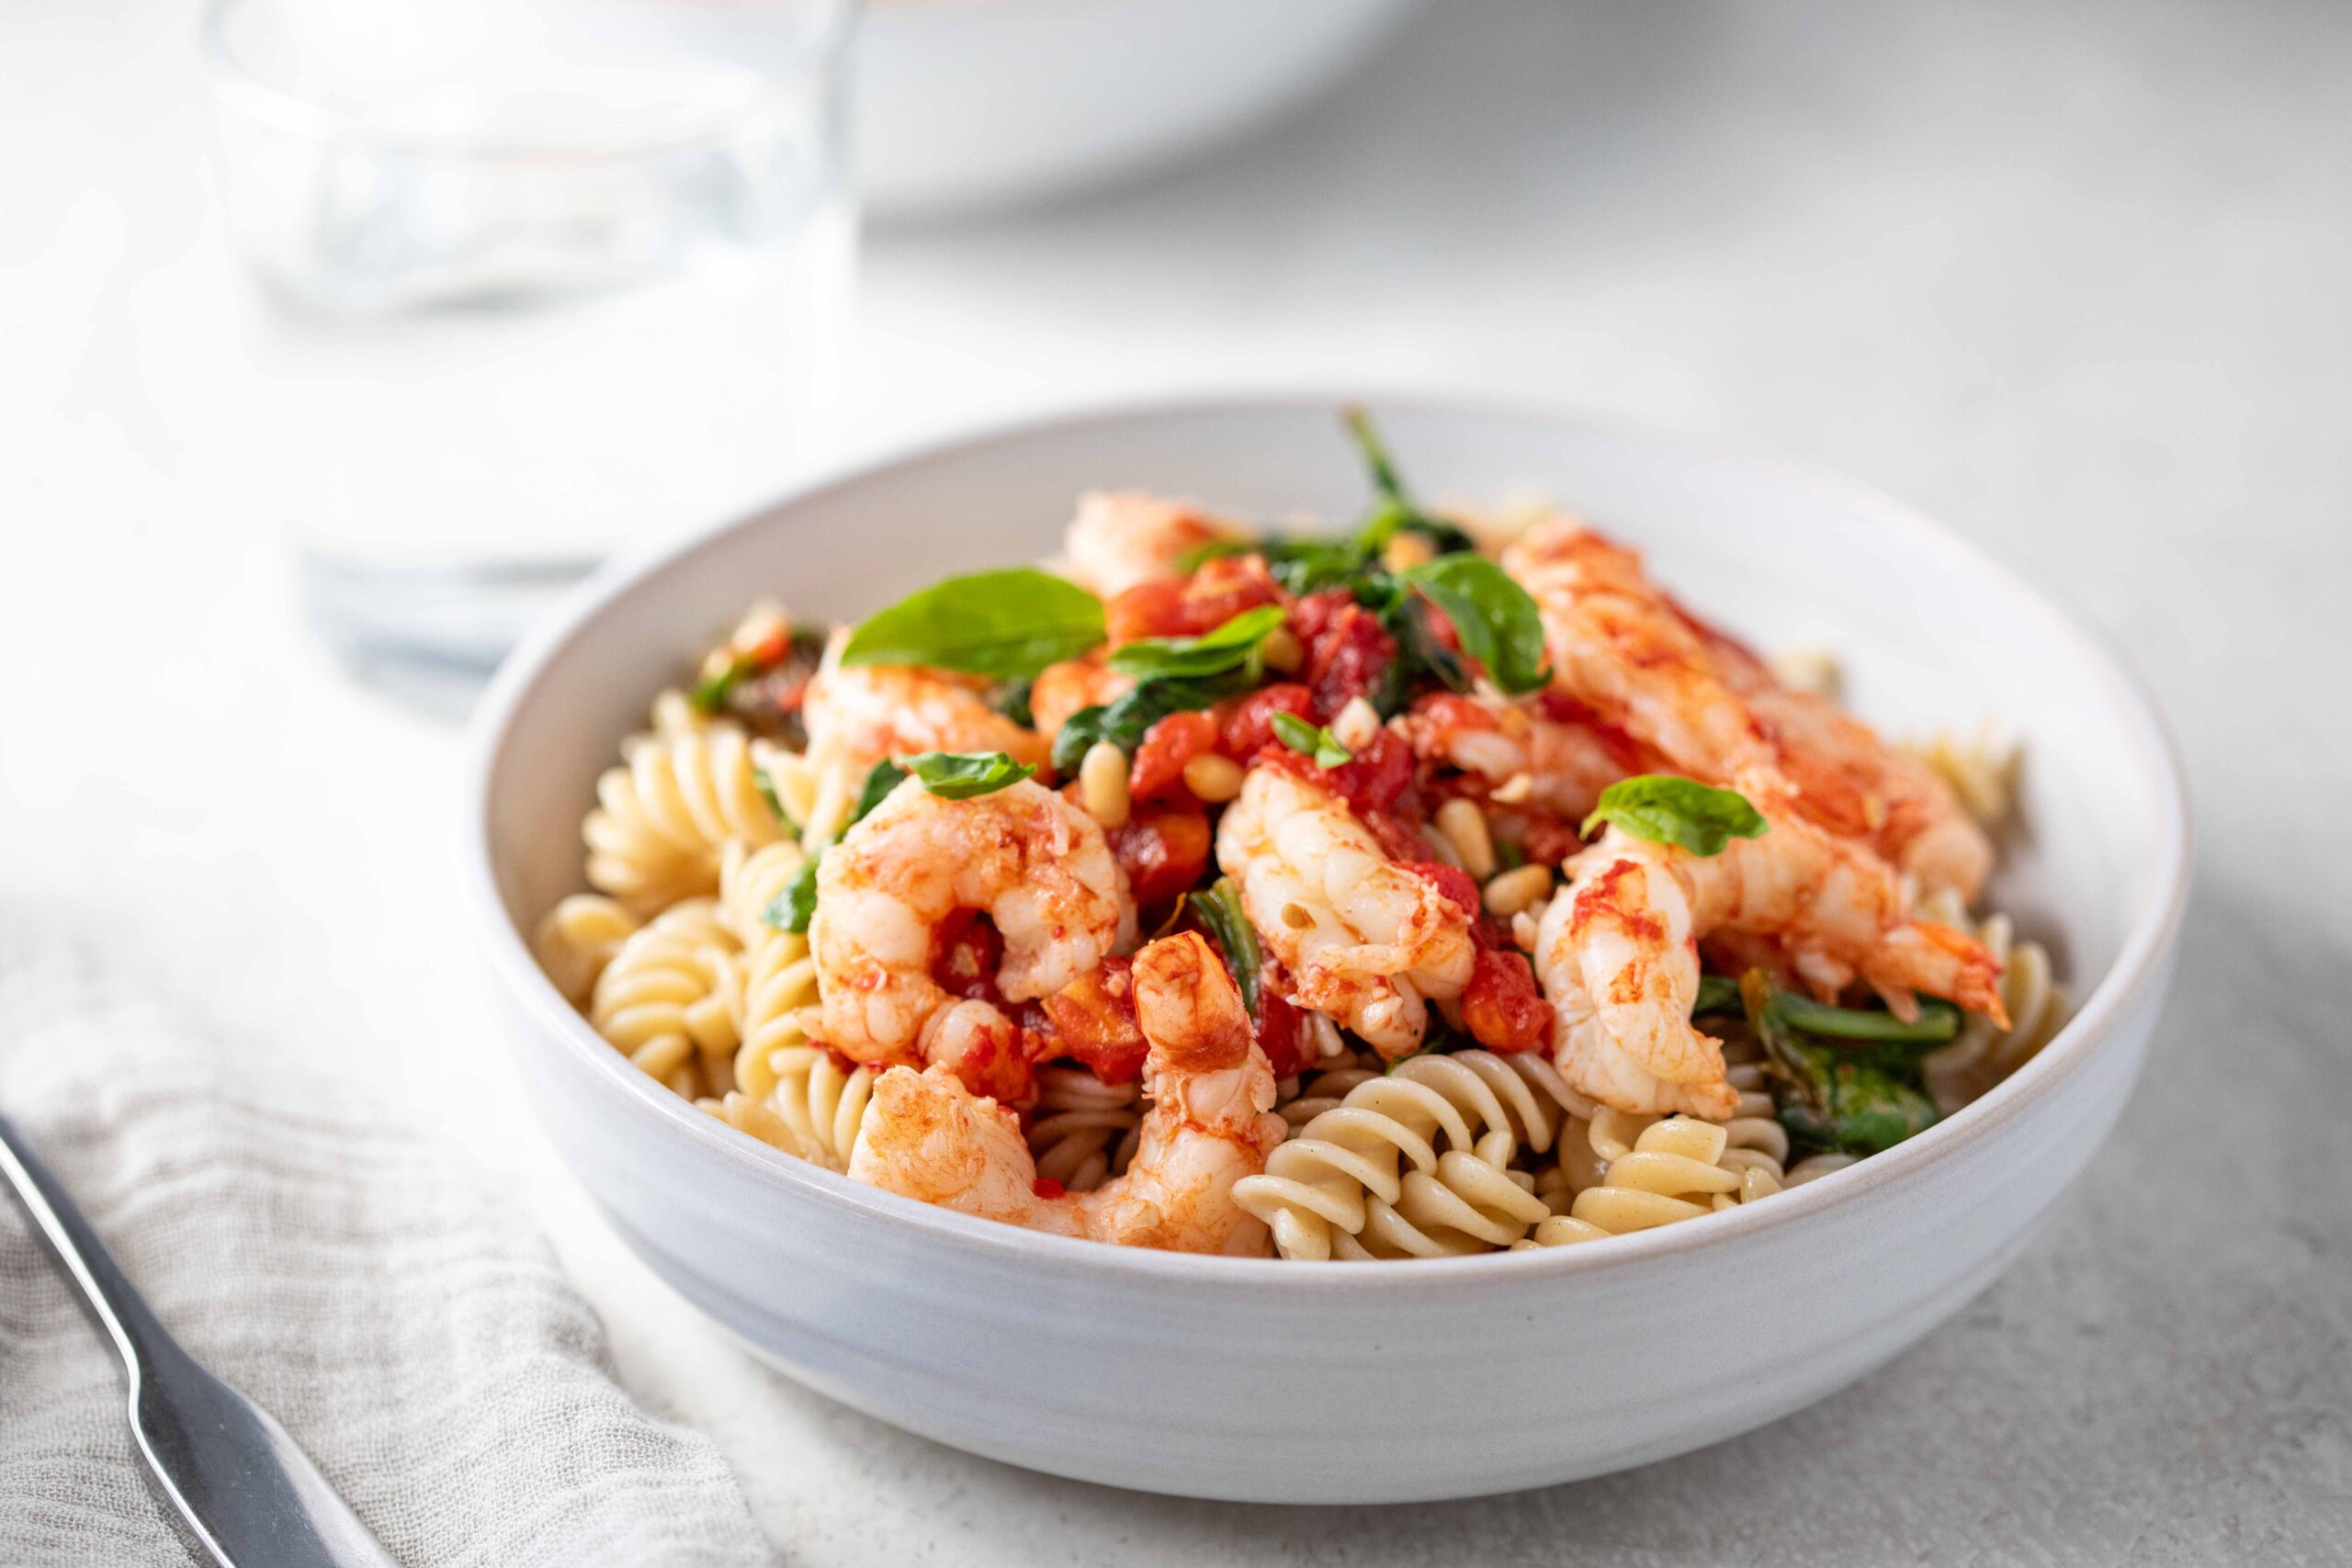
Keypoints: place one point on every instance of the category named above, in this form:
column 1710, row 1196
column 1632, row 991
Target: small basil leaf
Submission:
column 768, row 792
column 1220, row 911
column 1717, row 993
column 1311, row 740
column 1124, row 720
column 1665, row 810
column 791, row 909
column 1010, row 623
column 880, row 781
column 965, row 775
column 1011, row 700
column 1230, row 647
column 1493, row 615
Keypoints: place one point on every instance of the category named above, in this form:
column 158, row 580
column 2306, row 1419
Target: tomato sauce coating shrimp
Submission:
column 1036, row 865
column 1617, row 952
column 1362, row 938
column 1211, row 1122
column 1121, row 539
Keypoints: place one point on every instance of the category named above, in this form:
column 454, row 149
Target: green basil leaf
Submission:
column 963, row 775
column 1010, row 623
column 791, row 909
column 1230, row 647
column 1011, row 700
column 1665, row 810
column 1124, row 720
column 1717, row 993
column 1493, row 615
column 767, row 792
column 1311, row 740
column 1397, row 513
column 1220, row 911
column 881, row 780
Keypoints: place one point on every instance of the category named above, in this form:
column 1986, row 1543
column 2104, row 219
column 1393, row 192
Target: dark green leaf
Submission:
column 1717, row 993
column 1938, row 1023
column 1665, row 810
column 1011, row 700
column 965, row 775
column 1397, row 513
column 881, row 780
column 1220, row 911
column 1232, row 646
column 1831, row 1099
column 709, row 694
column 1310, row 566
column 1010, row 623
column 1311, row 740
column 1123, row 721
column 1493, row 615
column 790, row 910
column 768, row 792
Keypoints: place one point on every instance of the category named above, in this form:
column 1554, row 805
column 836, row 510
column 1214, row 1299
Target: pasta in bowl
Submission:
column 1428, row 885
column 1469, row 827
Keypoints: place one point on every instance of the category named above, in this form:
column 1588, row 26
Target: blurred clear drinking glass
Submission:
column 526, row 280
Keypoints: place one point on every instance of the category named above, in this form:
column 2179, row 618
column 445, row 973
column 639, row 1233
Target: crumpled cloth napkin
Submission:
column 406, row 1324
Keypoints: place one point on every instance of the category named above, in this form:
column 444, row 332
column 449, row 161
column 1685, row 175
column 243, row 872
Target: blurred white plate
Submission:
column 965, row 104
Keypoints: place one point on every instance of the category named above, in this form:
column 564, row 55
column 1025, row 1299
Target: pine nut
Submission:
column 1522, row 932
column 1213, row 778
column 1516, row 789
column 1464, row 827
column 1283, row 652
column 1519, row 890
column 1356, row 724
column 1103, row 783
column 1407, row 549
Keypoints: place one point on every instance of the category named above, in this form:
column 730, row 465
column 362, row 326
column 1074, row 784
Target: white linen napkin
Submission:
column 402, row 1321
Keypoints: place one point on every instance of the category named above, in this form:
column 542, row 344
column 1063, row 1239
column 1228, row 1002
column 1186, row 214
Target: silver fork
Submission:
column 240, row 1490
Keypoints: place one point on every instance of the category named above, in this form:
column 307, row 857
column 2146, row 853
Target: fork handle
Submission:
column 114, row 1306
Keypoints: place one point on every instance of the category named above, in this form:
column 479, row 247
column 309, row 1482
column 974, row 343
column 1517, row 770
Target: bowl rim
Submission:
column 2140, row 967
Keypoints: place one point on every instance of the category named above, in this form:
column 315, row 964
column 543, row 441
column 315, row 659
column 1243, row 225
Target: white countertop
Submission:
column 2073, row 279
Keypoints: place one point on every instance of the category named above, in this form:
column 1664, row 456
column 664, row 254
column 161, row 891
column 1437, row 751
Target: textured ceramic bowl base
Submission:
column 1271, row 1381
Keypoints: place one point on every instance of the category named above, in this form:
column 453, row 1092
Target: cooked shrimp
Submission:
column 862, row 715
column 1623, row 649
column 1567, row 764
column 1621, row 646
column 1364, row 939
column 1032, row 862
column 1617, row 952
column 1851, row 781
column 1061, row 690
column 1122, row 537
column 1211, row 1122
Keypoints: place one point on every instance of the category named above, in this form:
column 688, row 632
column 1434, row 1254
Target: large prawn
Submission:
column 1621, row 646
column 1211, row 1122
column 1036, row 865
column 1120, row 538
column 1617, row 952
column 860, row 714
column 1565, row 762
column 1364, row 939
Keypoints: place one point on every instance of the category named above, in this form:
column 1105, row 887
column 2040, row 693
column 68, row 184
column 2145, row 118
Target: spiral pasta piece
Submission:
column 1985, row 1053
column 669, row 998
column 661, row 817
column 812, row 1108
column 1980, row 767
column 1372, row 1177
column 1083, row 1131
column 578, row 939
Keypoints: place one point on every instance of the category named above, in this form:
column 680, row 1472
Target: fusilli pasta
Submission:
column 662, row 815
column 1083, row 1130
column 1985, row 1053
column 669, row 998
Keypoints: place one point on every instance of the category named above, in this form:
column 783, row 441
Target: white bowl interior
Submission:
column 1929, row 633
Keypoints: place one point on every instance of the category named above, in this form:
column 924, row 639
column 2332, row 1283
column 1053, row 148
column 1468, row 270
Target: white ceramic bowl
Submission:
column 1278, row 1382
column 963, row 104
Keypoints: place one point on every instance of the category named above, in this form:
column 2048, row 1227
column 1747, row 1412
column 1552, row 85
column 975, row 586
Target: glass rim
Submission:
column 234, row 84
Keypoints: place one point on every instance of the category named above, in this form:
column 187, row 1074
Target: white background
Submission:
column 2076, row 278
